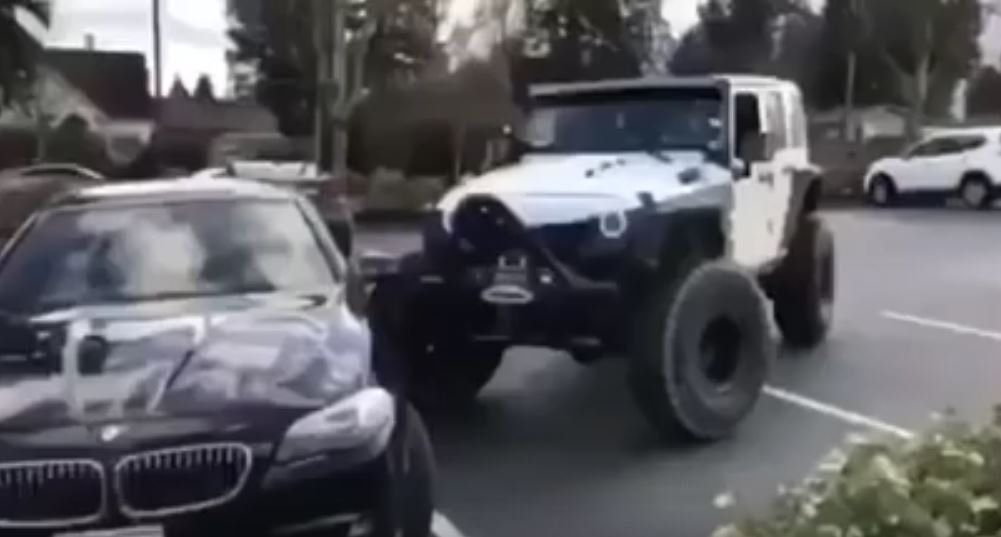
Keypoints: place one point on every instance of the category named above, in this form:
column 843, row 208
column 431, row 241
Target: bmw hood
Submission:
column 551, row 189
column 176, row 359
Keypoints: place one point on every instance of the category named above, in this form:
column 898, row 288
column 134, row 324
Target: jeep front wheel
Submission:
column 702, row 352
column 803, row 286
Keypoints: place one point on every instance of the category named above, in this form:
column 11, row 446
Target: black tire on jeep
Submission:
column 803, row 286
column 448, row 375
column 702, row 351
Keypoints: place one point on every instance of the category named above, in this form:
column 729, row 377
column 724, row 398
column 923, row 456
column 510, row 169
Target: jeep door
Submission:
column 749, row 218
column 789, row 155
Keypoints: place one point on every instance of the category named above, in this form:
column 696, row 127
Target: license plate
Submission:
column 134, row 531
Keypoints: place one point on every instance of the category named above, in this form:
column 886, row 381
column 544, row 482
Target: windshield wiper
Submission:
column 660, row 154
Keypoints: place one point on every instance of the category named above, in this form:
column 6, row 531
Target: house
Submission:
column 108, row 91
column 190, row 127
column 870, row 122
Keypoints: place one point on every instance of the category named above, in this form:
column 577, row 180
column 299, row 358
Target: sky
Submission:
column 195, row 40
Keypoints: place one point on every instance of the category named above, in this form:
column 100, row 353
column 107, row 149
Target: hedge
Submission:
column 944, row 483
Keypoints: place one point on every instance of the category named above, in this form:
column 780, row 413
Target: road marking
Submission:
column 832, row 411
column 943, row 325
column 443, row 527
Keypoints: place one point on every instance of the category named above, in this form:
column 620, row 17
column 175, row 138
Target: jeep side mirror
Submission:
column 739, row 168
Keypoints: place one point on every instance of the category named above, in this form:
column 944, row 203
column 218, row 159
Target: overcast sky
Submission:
column 194, row 30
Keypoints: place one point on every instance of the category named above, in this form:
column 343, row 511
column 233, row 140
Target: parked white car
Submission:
column 961, row 162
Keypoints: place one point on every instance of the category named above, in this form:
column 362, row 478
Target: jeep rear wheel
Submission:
column 702, row 352
column 804, row 284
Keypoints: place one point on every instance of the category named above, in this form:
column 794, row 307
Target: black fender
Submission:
column 661, row 240
column 807, row 189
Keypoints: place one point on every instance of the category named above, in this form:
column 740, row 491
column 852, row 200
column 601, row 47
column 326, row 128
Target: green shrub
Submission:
column 945, row 483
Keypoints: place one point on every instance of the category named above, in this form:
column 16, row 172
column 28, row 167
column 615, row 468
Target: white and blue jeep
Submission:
column 646, row 218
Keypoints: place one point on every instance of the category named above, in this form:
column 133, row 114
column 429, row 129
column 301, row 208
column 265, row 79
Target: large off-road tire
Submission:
column 449, row 375
column 408, row 498
column 701, row 352
column 803, row 286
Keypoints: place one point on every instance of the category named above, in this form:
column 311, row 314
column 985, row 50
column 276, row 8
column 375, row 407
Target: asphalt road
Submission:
column 555, row 448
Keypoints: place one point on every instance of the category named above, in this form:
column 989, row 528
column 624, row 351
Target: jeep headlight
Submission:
column 613, row 224
column 356, row 421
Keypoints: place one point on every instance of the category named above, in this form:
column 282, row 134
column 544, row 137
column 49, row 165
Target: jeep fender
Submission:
column 664, row 240
column 805, row 199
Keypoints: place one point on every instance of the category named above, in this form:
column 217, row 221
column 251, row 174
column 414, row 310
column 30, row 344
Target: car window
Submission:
column 798, row 126
column 747, row 118
column 176, row 250
column 934, row 147
column 971, row 142
column 776, row 120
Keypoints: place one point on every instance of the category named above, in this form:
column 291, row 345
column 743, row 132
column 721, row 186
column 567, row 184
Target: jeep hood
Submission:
column 172, row 361
column 549, row 189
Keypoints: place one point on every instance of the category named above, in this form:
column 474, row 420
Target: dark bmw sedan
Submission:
column 186, row 358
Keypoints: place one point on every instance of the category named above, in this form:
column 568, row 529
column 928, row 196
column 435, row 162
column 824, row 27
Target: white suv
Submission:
column 963, row 162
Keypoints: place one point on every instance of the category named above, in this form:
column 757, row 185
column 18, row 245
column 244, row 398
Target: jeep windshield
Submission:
column 682, row 119
column 184, row 249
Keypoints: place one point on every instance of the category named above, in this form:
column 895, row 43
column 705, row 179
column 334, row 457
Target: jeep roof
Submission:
column 612, row 85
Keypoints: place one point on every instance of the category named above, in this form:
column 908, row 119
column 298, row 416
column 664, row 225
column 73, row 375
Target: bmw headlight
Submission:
column 364, row 418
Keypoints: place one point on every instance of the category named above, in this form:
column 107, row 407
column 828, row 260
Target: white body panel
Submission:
column 561, row 188
column 554, row 189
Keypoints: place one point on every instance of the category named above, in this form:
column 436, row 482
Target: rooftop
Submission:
column 116, row 82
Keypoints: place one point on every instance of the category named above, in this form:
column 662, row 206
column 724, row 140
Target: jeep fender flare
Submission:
column 807, row 189
column 667, row 239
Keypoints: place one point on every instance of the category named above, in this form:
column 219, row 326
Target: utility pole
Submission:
column 848, row 133
column 333, row 96
column 157, row 52
column 338, row 89
column 322, row 33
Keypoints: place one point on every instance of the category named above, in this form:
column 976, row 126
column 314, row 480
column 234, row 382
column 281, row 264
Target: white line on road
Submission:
column 943, row 325
column 847, row 416
column 443, row 527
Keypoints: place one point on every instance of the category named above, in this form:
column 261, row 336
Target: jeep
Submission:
column 653, row 219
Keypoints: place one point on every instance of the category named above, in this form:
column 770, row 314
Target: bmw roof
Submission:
column 172, row 190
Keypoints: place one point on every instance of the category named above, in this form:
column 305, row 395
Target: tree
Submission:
column 928, row 45
column 204, row 90
column 747, row 36
column 385, row 37
column 985, row 92
column 840, row 34
column 19, row 52
column 74, row 141
column 556, row 41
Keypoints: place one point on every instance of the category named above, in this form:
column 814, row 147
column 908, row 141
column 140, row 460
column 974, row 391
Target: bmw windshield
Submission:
column 189, row 249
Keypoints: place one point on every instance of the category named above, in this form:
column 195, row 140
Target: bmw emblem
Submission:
column 109, row 433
